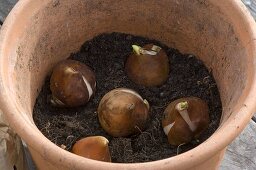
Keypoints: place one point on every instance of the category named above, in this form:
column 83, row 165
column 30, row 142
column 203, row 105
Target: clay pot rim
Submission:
column 53, row 153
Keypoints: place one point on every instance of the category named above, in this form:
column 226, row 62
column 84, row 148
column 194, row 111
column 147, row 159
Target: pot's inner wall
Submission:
column 195, row 27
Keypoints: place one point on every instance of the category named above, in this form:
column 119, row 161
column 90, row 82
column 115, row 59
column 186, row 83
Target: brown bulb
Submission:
column 72, row 84
column 148, row 66
column 123, row 112
column 93, row 147
column 185, row 119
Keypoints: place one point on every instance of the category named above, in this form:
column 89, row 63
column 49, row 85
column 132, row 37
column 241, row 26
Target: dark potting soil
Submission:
column 106, row 55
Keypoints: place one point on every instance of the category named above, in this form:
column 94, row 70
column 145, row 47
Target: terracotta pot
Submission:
column 37, row 34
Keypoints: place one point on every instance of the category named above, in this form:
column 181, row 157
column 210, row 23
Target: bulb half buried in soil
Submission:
column 72, row 84
column 185, row 119
column 94, row 147
column 148, row 66
column 123, row 112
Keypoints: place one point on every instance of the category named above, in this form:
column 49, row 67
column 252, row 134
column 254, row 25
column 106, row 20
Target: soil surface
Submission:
column 106, row 55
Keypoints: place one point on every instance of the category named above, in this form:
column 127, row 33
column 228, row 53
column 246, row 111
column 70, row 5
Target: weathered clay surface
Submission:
column 220, row 33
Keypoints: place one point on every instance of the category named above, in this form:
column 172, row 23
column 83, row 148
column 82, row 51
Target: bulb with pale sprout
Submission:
column 147, row 65
column 185, row 119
